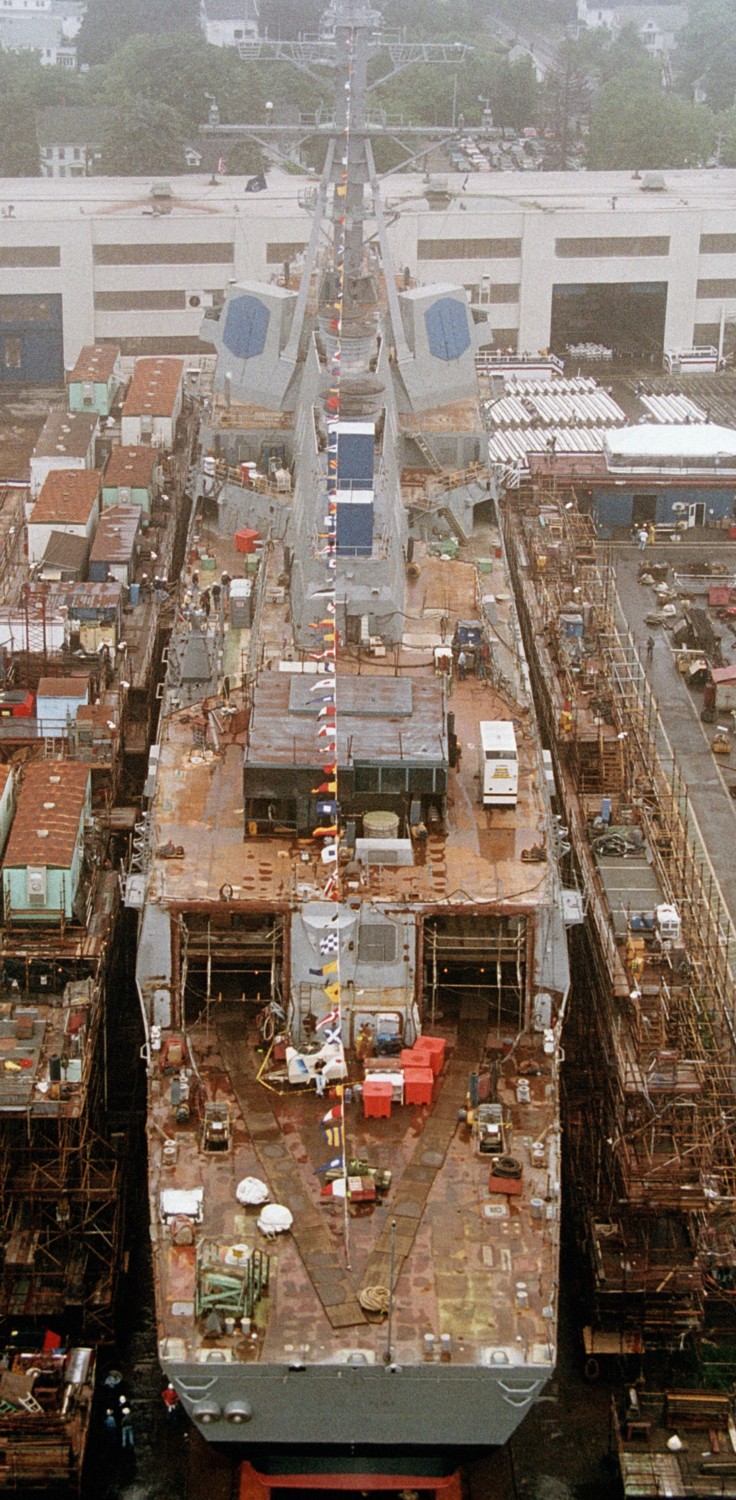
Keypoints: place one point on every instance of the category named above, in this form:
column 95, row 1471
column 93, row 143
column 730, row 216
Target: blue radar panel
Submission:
column 447, row 328
column 246, row 326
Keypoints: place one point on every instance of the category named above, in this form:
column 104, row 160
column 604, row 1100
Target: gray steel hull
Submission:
column 427, row 1406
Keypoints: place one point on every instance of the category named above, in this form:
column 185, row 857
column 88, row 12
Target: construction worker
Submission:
column 650, row 649
column 170, row 1398
column 127, row 1436
column 111, row 1428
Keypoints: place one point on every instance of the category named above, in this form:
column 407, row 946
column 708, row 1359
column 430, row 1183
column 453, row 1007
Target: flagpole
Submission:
column 327, row 713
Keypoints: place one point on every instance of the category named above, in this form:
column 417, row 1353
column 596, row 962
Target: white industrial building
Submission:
column 639, row 262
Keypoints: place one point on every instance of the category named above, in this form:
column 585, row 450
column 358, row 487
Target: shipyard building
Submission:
column 638, row 263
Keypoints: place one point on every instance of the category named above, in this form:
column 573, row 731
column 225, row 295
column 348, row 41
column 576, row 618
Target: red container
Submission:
column 433, row 1048
column 418, row 1084
column 377, row 1096
column 245, row 540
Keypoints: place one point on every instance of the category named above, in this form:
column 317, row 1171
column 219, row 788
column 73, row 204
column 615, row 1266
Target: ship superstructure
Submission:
column 352, row 960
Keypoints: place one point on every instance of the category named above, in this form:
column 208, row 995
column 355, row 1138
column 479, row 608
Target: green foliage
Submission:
column 442, row 20
column 182, row 71
column 726, row 131
column 634, row 125
column 706, row 51
column 243, row 158
column 142, row 137
column 109, row 24
column 568, row 91
column 437, row 93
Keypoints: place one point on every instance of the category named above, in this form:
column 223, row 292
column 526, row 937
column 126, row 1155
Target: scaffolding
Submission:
column 61, row 1218
column 651, row 1056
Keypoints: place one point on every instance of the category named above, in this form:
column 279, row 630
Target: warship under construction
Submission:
column 352, row 956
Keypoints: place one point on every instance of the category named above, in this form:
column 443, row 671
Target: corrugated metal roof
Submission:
column 67, row 495
column 46, row 823
column 63, row 687
column 154, row 388
column 115, row 537
column 130, row 465
column 94, row 361
column 66, row 434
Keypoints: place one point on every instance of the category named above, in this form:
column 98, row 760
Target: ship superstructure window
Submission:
column 468, row 249
column 612, row 247
column 163, row 255
column 377, row 942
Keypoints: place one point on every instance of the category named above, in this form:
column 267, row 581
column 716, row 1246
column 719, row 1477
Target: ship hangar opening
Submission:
column 232, row 956
column 627, row 317
column 475, row 969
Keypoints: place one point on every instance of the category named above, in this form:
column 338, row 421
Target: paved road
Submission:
column 542, row 50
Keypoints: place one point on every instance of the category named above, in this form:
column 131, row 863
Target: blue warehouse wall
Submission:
column 617, row 508
column 31, row 340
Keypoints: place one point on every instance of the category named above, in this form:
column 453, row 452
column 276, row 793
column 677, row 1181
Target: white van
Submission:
column 499, row 763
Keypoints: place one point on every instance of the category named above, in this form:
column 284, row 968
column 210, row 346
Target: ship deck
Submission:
column 474, row 1263
column 479, row 856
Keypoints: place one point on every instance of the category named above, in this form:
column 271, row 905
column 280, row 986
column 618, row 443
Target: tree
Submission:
column 142, row 137
column 187, row 74
column 634, row 125
column 567, row 96
column 706, row 52
column 109, row 24
column 26, row 86
column 514, row 93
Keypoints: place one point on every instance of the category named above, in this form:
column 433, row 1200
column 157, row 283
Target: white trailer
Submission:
column 499, row 768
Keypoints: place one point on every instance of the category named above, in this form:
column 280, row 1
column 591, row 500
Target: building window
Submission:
column 12, row 349
column 377, row 943
column 139, row 301
column 62, row 153
column 504, row 292
column 30, row 255
column 163, row 255
column 468, row 249
column 706, row 335
column 718, row 244
column 173, row 344
column 716, row 288
column 277, row 253
column 612, row 248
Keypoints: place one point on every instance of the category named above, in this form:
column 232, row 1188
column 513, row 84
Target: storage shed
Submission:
column 57, row 701
column 130, row 477
column 95, row 380
column 115, row 547
column 42, row 865
column 153, row 403
column 65, row 558
column 70, row 502
column 66, row 441
column 7, row 802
